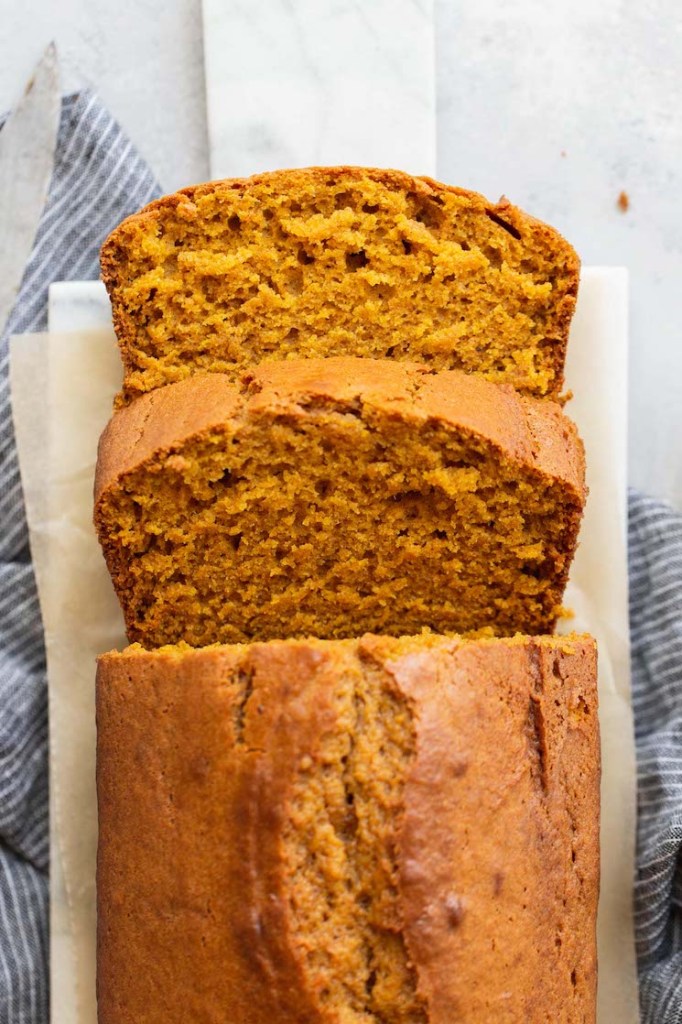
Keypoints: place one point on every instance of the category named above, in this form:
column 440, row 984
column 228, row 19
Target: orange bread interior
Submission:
column 339, row 261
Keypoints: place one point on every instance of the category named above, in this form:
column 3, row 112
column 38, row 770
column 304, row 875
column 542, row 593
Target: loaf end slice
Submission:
column 399, row 830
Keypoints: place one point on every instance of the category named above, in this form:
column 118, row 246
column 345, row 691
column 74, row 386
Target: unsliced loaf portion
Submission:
column 378, row 831
column 337, row 496
column 339, row 261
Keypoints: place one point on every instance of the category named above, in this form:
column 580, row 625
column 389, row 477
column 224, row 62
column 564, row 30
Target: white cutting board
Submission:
column 290, row 83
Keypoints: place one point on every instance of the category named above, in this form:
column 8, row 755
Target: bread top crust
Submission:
column 535, row 433
column 496, row 845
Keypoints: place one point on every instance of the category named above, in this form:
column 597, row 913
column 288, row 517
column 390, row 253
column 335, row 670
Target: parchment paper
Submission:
column 62, row 387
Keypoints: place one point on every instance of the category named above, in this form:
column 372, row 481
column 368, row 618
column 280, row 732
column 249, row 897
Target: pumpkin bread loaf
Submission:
column 334, row 497
column 339, row 261
column 375, row 830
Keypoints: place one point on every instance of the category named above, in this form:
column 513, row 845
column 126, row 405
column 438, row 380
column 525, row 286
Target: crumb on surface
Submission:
column 623, row 202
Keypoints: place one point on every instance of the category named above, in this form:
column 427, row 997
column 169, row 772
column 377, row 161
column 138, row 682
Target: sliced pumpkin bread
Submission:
column 337, row 496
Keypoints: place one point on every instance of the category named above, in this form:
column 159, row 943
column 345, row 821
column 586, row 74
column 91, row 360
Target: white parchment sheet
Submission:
column 62, row 388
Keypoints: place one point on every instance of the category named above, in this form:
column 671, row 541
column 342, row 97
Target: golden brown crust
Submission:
column 163, row 419
column 532, row 432
column 504, row 214
column 470, row 876
column 497, row 844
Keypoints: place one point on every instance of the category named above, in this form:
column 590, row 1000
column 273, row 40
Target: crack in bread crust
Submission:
column 340, row 847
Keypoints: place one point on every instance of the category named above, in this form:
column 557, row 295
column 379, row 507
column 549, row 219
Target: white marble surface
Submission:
column 294, row 82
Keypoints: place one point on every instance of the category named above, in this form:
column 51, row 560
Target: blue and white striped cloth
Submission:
column 98, row 179
column 655, row 557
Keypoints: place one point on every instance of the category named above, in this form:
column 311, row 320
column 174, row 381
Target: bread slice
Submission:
column 336, row 496
column 339, row 261
column 369, row 830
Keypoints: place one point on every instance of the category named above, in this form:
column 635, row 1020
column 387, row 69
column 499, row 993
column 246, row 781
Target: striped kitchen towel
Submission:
column 655, row 557
column 98, row 180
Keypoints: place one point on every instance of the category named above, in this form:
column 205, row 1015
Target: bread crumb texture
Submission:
column 372, row 831
column 339, row 261
column 332, row 497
